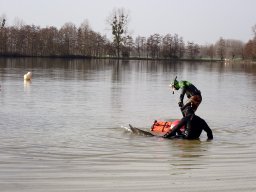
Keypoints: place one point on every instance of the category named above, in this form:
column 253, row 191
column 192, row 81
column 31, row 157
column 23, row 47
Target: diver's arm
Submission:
column 208, row 130
column 183, row 91
column 173, row 131
column 209, row 134
column 184, row 106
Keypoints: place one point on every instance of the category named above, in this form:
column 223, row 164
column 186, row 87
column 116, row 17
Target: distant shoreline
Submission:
column 114, row 58
column 228, row 61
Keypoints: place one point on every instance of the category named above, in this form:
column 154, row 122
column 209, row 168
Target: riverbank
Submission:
column 240, row 61
column 114, row 58
column 227, row 61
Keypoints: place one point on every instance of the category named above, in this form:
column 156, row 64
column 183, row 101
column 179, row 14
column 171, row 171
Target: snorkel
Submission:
column 174, row 85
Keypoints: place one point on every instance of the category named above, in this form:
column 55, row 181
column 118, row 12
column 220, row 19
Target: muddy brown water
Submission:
column 65, row 129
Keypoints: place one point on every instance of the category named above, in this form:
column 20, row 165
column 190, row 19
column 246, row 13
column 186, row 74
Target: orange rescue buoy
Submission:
column 164, row 126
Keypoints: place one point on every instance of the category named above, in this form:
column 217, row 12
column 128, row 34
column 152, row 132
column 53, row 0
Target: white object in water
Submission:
column 28, row 76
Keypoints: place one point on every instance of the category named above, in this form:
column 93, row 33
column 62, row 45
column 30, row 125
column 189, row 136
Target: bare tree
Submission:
column 140, row 45
column 234, row 48
column 127, row 47
column 192, row 50
column 250, row 49
column 254, row 42
column 221, row 48
column 84, row 38
column 254, row 31
column 3, row 35
column 3, row 22
column 167, row 44
column 175, row 45
column 119, row 23
column 181, row 48
column 211, row 51
column 153, row 45
column 18, row 23
column 69, row 33
column 250, row 46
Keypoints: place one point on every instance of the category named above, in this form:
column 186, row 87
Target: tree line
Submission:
column 82, row 41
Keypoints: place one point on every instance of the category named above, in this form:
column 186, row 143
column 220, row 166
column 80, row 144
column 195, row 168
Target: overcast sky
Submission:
column 200, row 21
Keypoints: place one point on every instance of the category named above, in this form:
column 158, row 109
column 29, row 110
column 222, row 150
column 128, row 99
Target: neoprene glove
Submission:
column 168, row 134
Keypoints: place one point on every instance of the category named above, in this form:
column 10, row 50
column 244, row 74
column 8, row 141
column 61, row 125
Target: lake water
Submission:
column 65, row 130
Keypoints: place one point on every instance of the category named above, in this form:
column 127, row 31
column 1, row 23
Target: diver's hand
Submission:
column 169, row 134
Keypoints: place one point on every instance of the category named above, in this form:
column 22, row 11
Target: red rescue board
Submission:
column 164, row 126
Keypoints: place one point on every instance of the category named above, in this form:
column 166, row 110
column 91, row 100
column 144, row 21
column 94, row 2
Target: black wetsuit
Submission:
column 191, row 105
column 197, row 126
column 189, row 89
column 192, row 93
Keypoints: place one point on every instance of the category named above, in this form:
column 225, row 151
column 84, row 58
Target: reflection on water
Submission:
column 27, row 84
column 63, row 129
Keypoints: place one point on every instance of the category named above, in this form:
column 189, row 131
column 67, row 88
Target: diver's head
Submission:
column 175, row 85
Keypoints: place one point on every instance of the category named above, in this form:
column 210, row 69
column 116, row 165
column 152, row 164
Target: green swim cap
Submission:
column 175, row 83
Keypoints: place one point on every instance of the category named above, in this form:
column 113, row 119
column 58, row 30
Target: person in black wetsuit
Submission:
column 188, row 110
column 197, row 126
column 193, row 94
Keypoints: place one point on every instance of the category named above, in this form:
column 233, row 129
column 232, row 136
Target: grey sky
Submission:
column 200, row 21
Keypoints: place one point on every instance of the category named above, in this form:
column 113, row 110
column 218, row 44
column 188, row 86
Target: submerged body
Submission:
column 197, row 126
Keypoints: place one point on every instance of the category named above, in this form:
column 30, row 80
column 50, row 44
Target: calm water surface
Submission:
column 65, row 130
